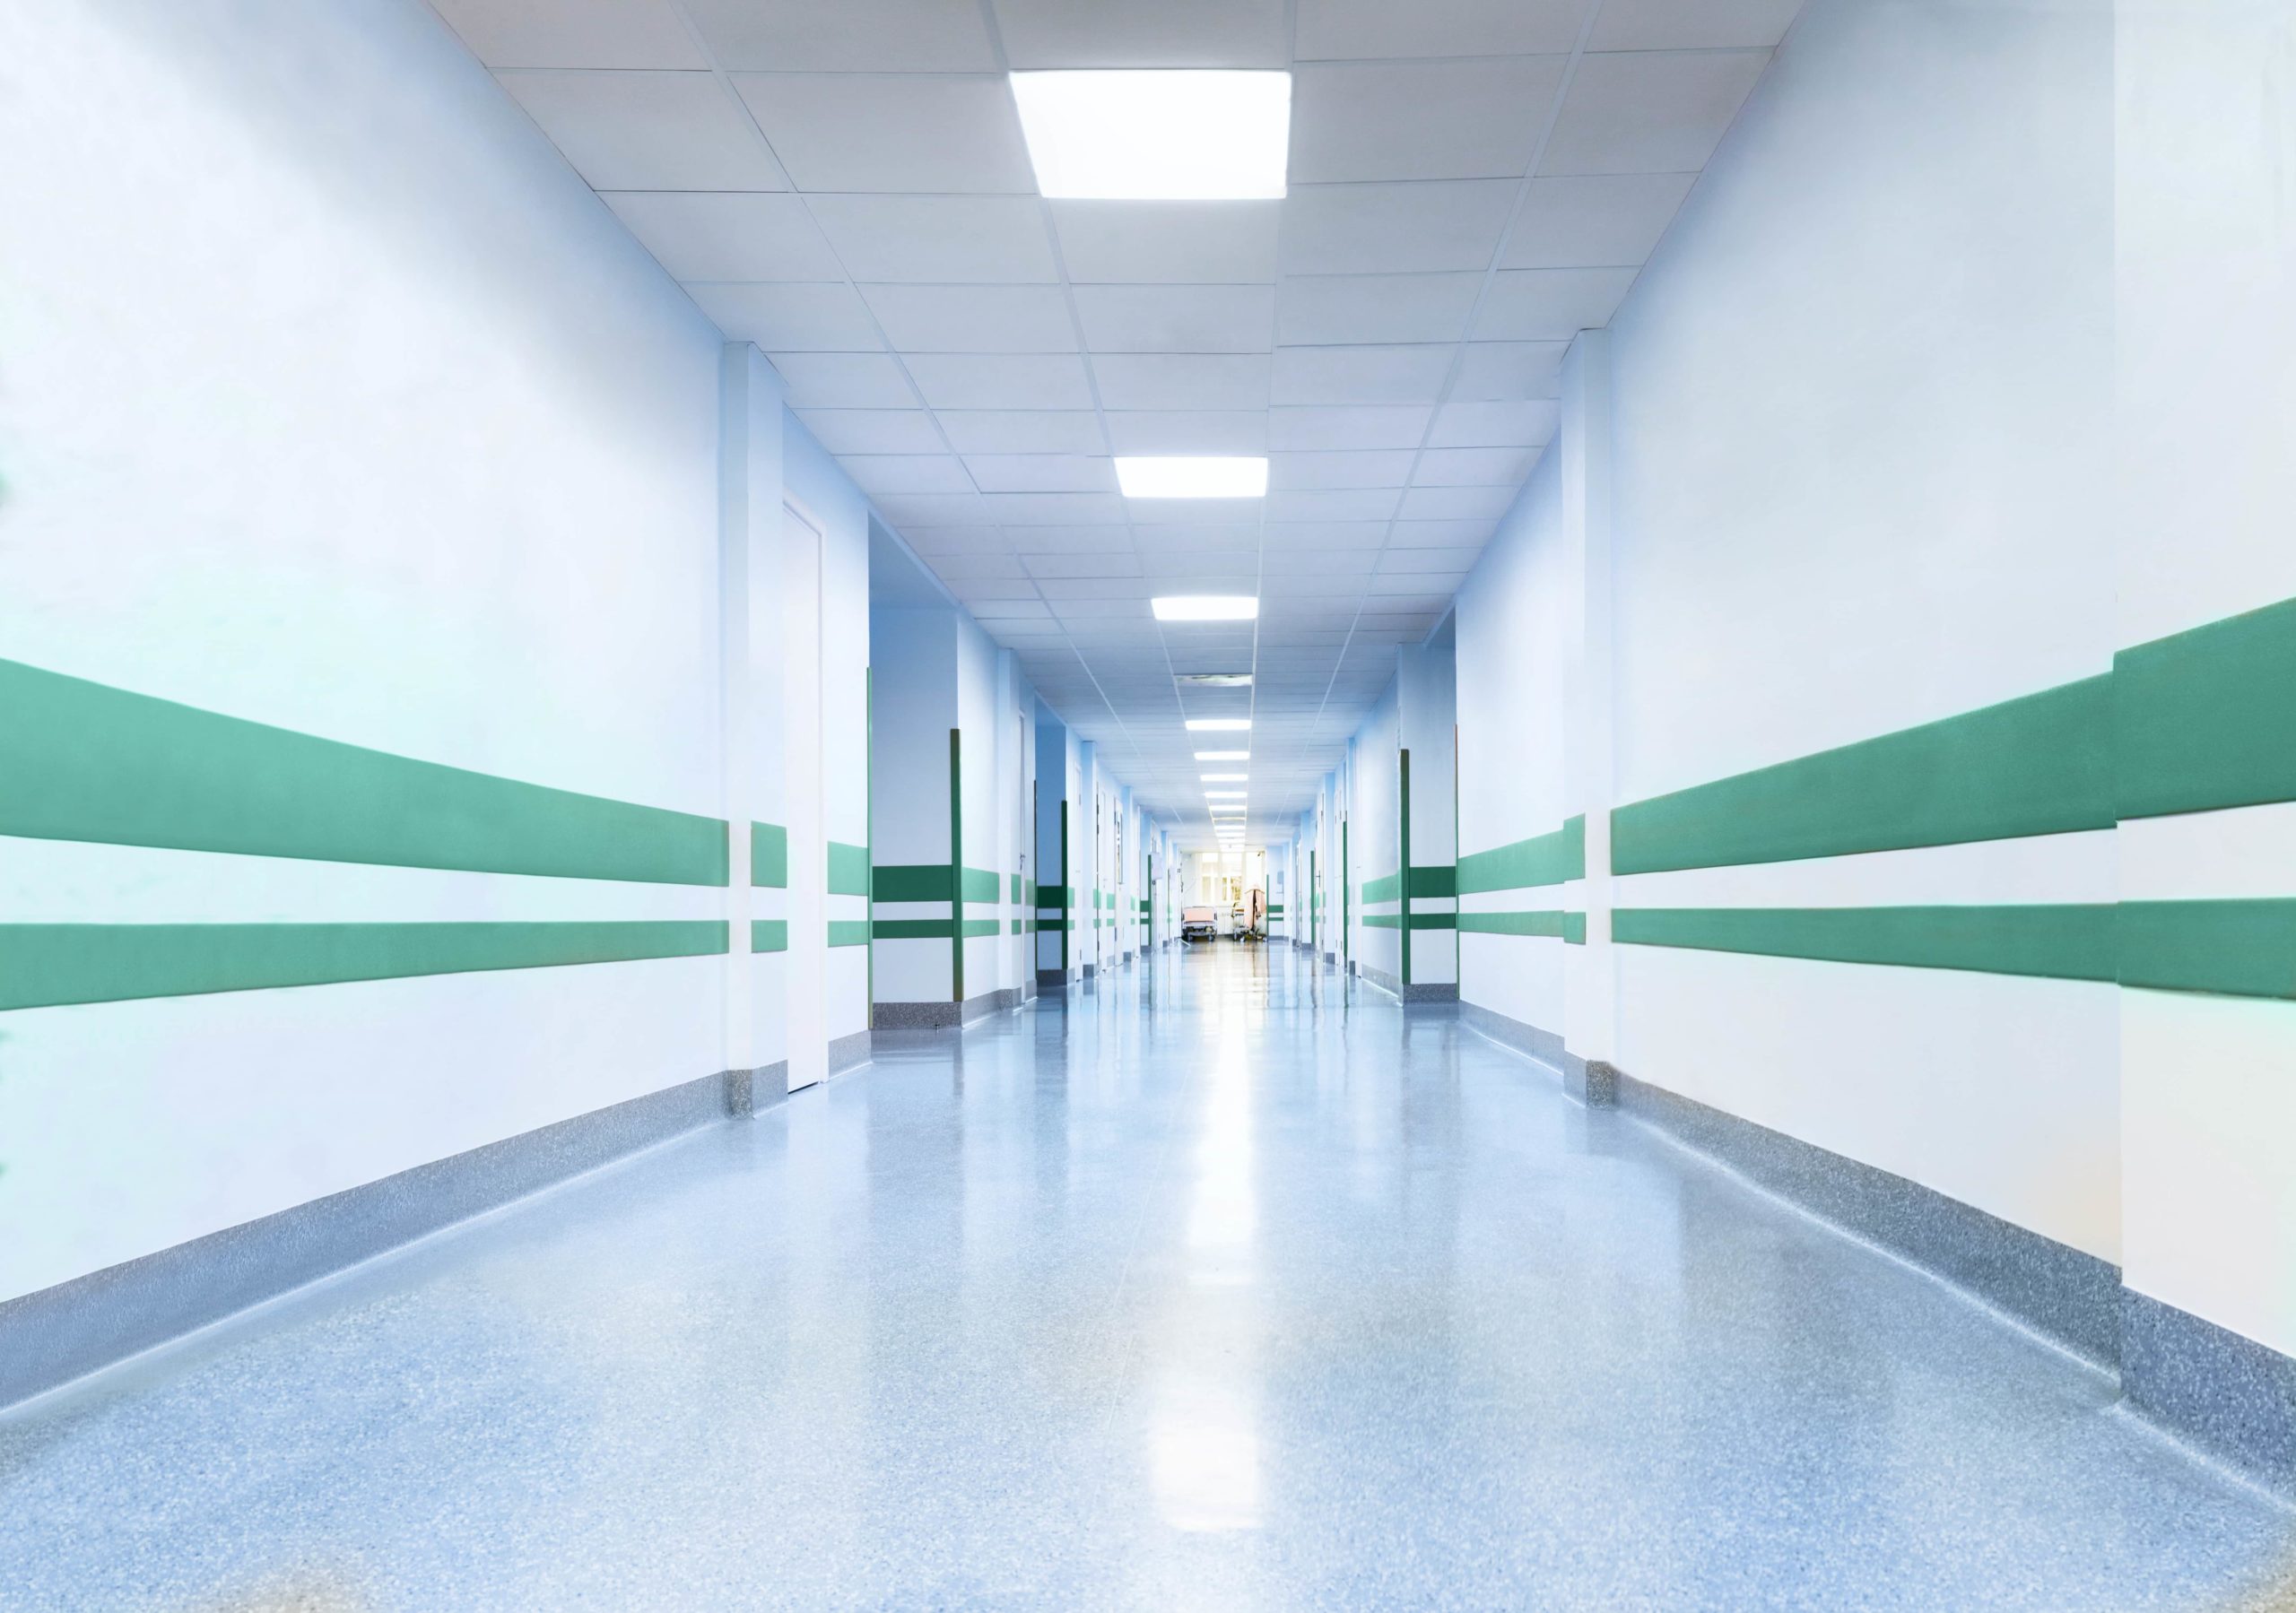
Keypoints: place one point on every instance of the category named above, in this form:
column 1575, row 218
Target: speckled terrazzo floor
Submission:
column 1223, row 1287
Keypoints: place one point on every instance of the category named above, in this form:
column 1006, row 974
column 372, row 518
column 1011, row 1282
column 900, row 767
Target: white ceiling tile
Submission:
column 843, row 381
column 1062, row 590
column 1188, row 431
column 1308, row 562
column 1389, row 426
column 1470, row 120
column 1209, row 535
column 1360, row 375
column 1401, row 562
column 1023, row 431
column 787, row 317
column 1354, row 504
column 1178, row 319
column 646, row 131
column 593, row 33
column 851, row 36
column 1164, row 33
column 1323, row 310
column 1108, row 538
column 1423, row 226
column 1692, row 24
column 1051, row 509
column 930, row 540
column 885, row 474
column 727, row 235
column 1024, row 381
column 1646, row 112
column 1098, row 609
column 1455, row 503
column 1358, row 467
column 973, row 319
column 1443, row 534
column 1550, row 305
column 1111, row 564
column 1501, row 372
column 1358, row 29
column 940, row 239
column 966, row 570
column 1595, row 220
column 1131, row 242
column 903, row 132
column 1042, row 473
column 905, row 510
column 873, row 432
column 1182, row 380
column 1159, row 513
column 1325, row 534
column 996, row 614
column 1484, row 425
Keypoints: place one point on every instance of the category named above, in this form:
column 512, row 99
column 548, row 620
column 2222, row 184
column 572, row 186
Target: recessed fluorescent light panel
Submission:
column 1226, row 794
column 1234, row 477
column 1159, row 136
column 1223, row 756
column 1205, row 607
column 1215, row 680
column 1219, row 725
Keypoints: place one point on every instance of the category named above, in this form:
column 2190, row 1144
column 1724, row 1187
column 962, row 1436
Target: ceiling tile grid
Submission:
column 1471, row 182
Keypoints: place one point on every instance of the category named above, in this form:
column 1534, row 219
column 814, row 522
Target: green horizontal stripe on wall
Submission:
column 2240, row 948
column 1419, row 921
column 848, row 868
column 2206, row 719
column 2040, row 765
column 1559, row 923
column 84, row 761
column 982, row 885
column 769, row 935
column 912, row 882
column 911, row 928
column 849, row 931
column 770, row 856
column 976, row 927
column 1548, row 858
column 1433, row 882
column 1386, row 888
column 44, row 966
column 2065, row 943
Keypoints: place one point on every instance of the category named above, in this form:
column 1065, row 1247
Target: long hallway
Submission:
column 1223, row 1284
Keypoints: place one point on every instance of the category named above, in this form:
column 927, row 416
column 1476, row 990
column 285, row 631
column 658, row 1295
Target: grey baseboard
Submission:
column 2230, row 1395
column 1052, row 980
column 1088, row 971
column 78, row 1327
column 2071, row 1297
column 1432, row 990
column 1380, row 978
column 991, row 1002
column 917, row 1016
column 844, row 1052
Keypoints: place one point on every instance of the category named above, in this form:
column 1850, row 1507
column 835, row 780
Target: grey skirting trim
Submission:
column 2071, row 1297
column 1052, row 980
column 1088, row 971
column 1432, row 990
column 991, row 1002
column 2227, row 1394
column 49, row 1337
column 845, row 1052
column 917, row 1016
column 1380, row 978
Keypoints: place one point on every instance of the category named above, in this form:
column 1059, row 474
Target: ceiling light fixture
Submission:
column 1199, row 477
column 1219, row 725
column 1157, row 135
column 1223, row 756
column 1226, row 794
column 1215, row 680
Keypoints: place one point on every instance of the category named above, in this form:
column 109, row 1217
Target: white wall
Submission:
column 337, row 402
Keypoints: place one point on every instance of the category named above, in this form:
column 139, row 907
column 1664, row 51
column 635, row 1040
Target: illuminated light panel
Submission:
column 1223, row 756
column 1157, row 135
column 1192, row 476
column 1219, row 725
column 1205, row 607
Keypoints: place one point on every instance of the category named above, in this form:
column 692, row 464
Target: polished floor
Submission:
column 1224, row 1286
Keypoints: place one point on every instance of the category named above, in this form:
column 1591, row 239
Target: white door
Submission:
column 806, row 976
